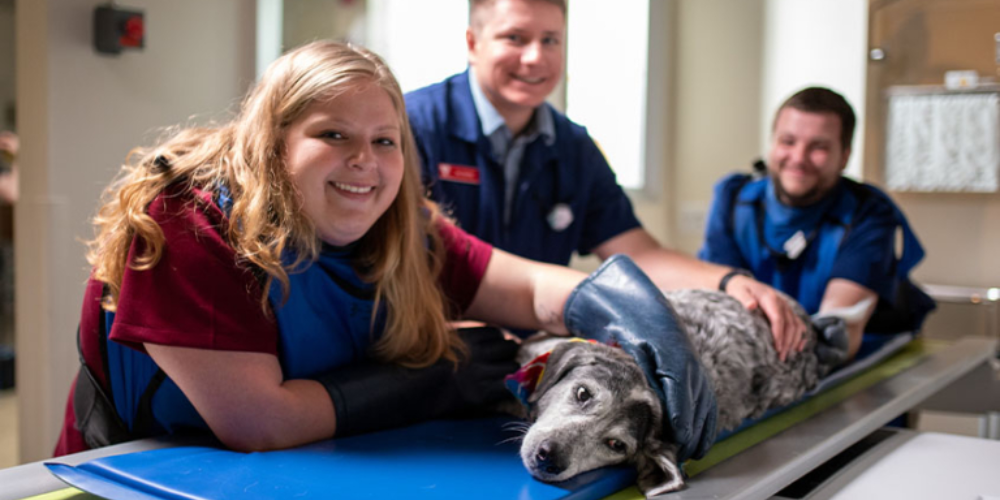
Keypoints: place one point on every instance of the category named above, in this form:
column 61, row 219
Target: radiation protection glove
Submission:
column 370, row 396
column 619, row 304
column 832, row 340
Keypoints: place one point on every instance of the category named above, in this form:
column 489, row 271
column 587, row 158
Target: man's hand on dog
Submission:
column 789, row 331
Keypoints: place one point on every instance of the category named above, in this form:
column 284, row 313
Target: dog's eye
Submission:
column 616, row 446
column 582, row 394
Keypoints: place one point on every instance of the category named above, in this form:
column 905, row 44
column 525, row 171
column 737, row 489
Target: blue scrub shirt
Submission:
column 570, row 172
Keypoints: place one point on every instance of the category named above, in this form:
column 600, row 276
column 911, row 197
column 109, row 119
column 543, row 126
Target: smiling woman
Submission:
column 235, row 266
column 344, row 157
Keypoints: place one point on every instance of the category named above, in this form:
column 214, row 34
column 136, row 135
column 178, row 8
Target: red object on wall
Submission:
column 116, row 29
column 133, row 32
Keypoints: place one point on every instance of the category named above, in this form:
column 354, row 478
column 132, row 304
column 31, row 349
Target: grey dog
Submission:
column 593, row 407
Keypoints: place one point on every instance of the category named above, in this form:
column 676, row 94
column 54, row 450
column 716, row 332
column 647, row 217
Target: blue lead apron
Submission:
column 827, row 225
column 823, row 228
column 325, row 322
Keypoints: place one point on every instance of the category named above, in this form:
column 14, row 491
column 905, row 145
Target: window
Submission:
column 422, row 41
column 606, row 81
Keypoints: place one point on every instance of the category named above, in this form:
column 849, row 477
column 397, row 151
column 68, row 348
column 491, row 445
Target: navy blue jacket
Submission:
column 851, row 234
column 572, row 171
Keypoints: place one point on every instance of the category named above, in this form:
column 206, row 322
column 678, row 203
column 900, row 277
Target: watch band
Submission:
column 730, row 275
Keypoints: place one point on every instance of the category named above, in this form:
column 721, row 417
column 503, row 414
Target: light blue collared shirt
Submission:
column 508, row 150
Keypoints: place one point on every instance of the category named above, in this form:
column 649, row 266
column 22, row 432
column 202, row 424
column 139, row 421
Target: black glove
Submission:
column 371, row 396
column 619, row 302
column 832, row 340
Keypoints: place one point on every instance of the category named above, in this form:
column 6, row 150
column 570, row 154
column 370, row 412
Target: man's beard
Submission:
column 808, row 198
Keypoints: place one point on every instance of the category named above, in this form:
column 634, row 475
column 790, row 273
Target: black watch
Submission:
column 730, row 275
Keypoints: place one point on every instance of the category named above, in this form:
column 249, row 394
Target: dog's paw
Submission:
column 658, row 471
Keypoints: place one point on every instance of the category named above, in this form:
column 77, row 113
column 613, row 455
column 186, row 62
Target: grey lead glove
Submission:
column 832, row 340
column 370, row 396
column 619, row 302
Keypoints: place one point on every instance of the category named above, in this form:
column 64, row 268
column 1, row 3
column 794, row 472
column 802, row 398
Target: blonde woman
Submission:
column 280, row 279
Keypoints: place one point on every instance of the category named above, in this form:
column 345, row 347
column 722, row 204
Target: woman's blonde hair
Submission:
column 266, row 219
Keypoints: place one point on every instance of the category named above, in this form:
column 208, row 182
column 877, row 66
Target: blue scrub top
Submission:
column 571, row 172
column 850, row 234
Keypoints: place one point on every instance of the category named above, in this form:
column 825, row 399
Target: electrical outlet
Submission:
column 693, row 216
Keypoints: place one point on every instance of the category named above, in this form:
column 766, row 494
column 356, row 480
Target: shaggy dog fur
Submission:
column 736, row 348
column 593, row 407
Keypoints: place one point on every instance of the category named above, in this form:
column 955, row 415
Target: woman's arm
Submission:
column 521, row 293
column 242, row 397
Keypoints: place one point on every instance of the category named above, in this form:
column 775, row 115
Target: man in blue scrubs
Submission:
column 518, row 174
column 824, row 239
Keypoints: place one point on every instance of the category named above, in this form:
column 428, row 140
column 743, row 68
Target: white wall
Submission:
column 715, row 103
column 79, row 113
column 815, row 42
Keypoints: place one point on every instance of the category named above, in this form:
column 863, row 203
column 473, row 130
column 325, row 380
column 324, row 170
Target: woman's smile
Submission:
column 352, row 188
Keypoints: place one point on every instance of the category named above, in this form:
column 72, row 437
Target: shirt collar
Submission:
column 491, row 120
column 545, row 125
column 796, row 218
column 488, row 115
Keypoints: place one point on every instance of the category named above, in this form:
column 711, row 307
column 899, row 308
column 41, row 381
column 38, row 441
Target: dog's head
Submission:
column 593, row 408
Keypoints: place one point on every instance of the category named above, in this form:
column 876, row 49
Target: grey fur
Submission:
column 735, row 346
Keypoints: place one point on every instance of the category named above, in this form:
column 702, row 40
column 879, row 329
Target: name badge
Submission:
column 795, row 245
column 560, row 217
column 458, row 173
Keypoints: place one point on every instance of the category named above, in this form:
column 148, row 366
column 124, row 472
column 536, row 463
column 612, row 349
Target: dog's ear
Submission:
column 562, row 360
column 658, row 470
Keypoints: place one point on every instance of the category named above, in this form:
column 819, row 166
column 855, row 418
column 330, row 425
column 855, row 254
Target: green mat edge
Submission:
column 65, row 494
column 908, row 356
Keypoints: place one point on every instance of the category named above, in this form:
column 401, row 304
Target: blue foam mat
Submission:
column 440, row 459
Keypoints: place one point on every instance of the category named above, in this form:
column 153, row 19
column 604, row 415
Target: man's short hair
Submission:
column 823, row 100
column 476, row 5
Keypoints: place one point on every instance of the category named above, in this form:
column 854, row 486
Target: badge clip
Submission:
column 560, row 217
column 795, row 245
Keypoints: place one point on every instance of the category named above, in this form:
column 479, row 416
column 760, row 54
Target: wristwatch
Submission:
column 730, row 275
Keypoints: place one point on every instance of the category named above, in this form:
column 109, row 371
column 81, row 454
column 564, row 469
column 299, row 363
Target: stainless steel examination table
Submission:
column 845, row 437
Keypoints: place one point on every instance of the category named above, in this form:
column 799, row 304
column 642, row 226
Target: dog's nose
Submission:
column 546, row 458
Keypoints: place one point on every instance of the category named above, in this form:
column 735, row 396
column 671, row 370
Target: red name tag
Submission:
column 458, row 173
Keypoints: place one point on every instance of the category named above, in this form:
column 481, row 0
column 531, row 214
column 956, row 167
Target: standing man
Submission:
column 518, row 174
column 824, row 239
